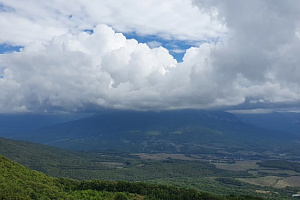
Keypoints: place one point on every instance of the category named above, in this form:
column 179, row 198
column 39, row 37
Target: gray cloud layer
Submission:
column 257, row 60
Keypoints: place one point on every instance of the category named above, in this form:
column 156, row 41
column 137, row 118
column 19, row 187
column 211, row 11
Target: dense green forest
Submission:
column 19, row 182
column 281, row 164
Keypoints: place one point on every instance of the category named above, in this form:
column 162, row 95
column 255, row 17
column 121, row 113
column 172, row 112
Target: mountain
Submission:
column 181, row 131
column 288, row 122
column 13, row 125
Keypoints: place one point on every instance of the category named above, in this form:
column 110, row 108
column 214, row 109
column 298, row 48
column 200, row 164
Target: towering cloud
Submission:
column 72, row 72
column 261, row 52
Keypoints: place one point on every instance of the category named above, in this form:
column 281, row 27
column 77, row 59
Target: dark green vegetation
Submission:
column 184, row 173
column 18, row 182
column 110, row 166
column 281, row 164
column 227, row 186
column 48, row 159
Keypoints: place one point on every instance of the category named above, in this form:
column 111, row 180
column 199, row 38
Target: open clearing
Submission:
column 279, row 171
column 163, row 156
column 289, row 181
column 239, row 165
column 262, row 181
column 274, row 177
column 273, row 181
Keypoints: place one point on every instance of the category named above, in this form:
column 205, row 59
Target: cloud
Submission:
column 256, row 65
column 178, row 50
column 259, row 56
column 71, row 72
column 22, row 22
column 154, row 44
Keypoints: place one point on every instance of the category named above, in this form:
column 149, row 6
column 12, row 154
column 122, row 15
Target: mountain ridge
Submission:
column 184, row 131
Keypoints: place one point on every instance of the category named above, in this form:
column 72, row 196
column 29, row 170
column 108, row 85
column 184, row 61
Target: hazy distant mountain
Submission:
column 281, row 121
column 15, row 124
column 186, row 131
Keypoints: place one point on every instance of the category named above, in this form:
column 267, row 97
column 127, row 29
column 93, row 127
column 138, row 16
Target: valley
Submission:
column 204, row 173
column 207, row 151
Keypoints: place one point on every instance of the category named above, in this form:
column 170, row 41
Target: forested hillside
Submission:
column 184, row 171
column 19, row 182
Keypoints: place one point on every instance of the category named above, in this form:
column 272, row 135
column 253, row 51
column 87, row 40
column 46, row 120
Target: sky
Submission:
column 85, row 55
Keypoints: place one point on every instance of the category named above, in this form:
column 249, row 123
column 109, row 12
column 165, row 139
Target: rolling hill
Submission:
column 19, row 182
column 174, row 170
column 103, row 165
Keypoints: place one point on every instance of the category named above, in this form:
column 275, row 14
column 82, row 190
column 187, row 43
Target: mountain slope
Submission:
column 18, row 182
column 281, row 121
column 184, row 131
column 13, row 125
column 43, row 158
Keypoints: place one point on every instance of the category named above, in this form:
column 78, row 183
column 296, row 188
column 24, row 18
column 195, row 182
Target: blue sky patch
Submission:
column 89, row 31
column 4, row 48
